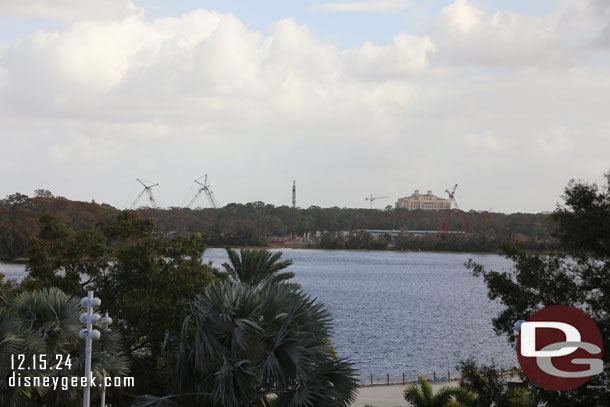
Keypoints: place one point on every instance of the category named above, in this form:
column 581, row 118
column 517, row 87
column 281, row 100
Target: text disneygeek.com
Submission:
column 24, row 368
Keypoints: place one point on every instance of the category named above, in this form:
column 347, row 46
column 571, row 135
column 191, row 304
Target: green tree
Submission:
column 422, row 396
column 239, row 344
column 64, row 258
column 46, row 322
column 145, row 281
column 578, row 276
column 257, row 267
column 484, row 386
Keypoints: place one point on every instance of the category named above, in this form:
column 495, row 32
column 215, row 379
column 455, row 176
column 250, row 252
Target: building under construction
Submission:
column 427, row 202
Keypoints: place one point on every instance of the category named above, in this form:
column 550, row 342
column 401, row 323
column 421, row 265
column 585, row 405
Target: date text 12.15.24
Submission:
column 40, row 362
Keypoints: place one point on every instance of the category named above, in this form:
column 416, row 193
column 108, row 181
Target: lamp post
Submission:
column 89, row 335
column 532, row 386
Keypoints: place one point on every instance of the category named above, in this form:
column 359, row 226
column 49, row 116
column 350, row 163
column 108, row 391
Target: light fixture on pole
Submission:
column 532, row 386
column 89, row 335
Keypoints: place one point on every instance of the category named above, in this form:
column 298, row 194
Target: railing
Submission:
column 412, row 378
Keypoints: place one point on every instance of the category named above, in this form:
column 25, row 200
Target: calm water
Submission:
column 397, row 312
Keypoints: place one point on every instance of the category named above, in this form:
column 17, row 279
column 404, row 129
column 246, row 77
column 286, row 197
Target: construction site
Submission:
column 416, row 222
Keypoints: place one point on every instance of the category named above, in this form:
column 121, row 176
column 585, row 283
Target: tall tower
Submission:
column 293, row 214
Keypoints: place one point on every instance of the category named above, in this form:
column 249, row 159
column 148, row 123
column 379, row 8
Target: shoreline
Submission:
column 289, row 247
column 383, row 395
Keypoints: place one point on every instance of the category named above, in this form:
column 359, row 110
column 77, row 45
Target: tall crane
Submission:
column 372, row 198
column 452, row 205
column 205, row 187
column 147, row 190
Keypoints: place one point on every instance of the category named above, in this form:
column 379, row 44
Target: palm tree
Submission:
column 257, row 267
column 484, row 386
column 46, row 322
column 422, row 396
column 241, row 343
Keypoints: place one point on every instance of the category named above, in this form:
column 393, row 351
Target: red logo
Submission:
column 559, row 348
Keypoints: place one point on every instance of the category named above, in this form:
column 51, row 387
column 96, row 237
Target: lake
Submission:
column 397, row 312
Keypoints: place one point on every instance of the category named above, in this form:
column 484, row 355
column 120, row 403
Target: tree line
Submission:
column 194, row 335
column 256, row 223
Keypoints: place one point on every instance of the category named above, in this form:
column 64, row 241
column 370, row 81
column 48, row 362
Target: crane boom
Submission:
column 137, row 199
column 192, row 201
column 453, row 205
column 372, row 198
column 148, row 191
column 205, row 187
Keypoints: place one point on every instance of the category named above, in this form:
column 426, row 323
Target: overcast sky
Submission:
column 508, row 99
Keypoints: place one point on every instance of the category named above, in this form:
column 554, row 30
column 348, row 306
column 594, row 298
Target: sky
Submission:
column 507, row 99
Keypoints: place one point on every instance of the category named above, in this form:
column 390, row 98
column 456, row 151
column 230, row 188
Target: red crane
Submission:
column 452, row 205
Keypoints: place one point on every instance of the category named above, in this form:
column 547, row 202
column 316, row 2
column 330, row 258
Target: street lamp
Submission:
column 517, row 330
column 89, row 335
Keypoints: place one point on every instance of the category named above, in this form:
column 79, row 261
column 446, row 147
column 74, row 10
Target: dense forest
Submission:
column 260, row 224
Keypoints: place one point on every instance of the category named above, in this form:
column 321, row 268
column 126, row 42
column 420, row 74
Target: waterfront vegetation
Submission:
column 260, row 224
column 189, row 334
column 577, row 276
column 192, row 335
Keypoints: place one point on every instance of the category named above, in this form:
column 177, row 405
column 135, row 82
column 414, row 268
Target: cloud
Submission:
column 487, row 141
column 555, row 140
column 465, row 34
column 373, row 6
column 68, row 9
column 407, row 55
column 595, row 168
column 88, row 107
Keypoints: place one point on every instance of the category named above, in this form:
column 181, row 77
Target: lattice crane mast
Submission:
column 147, row 190
column 372, row 198
column 205, row 187
column 453, row 205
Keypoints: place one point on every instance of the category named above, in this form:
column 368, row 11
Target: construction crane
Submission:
column 205, row 187
column 452, row 205
column 147, row 190
column 372, row 198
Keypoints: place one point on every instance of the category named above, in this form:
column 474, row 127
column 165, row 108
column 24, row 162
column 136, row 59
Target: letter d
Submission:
column 11, row 380
column 528, row 338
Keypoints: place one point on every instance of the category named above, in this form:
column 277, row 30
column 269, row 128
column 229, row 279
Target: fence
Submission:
column 434, row 377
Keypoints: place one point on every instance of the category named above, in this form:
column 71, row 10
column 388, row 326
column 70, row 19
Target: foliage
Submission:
column 257, row 267
column 19, row 218
column 241, row 343
column 359, row 240
column 253, row 224
column 421, row 395
column 578, row 277
column 46, row 322
column 145, row 282
column 484, row 386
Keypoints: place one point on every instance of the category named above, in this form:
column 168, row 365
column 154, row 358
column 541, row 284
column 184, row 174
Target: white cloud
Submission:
column 99, row 103
column 373, row 6
column 486, row 141
column 68, row 9
column 406, row 56
column 465, row 34
column 462, row 15
column 595, row 168
column 555, row 140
